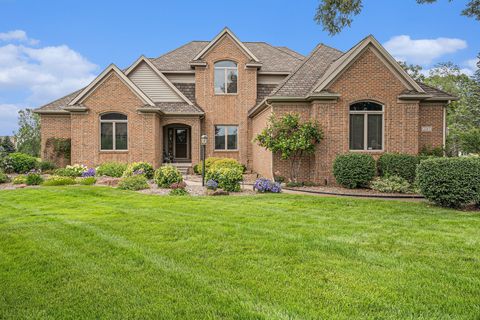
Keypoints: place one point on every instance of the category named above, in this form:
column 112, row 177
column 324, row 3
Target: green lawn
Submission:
column 91, row 252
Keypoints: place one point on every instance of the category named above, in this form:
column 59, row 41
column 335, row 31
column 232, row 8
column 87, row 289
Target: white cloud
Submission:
column 8, row 119
column 17, row 35
column 422, row 51
column 38, row 74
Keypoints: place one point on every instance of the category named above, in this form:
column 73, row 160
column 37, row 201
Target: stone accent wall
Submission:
column 54, row 126
column 228, row 109
column 431, row 115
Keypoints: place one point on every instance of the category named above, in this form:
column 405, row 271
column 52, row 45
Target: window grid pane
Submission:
column 374, row 132
column 232, row 138
column 357, row 132
column 220, row 81
column 121, row 139
column 219, row 138
column 106, row 136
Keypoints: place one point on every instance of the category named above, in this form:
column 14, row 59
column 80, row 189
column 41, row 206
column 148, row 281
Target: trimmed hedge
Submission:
column 354, row 170
column 398, row 164
column 450, row 182
column 228, row 179
column 21, row 162
column 165, row 176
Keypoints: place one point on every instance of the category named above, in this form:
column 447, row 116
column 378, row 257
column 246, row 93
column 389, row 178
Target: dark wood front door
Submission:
column 178, row 143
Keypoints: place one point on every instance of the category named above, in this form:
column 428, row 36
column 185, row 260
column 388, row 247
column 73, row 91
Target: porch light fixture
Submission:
column 203, row 141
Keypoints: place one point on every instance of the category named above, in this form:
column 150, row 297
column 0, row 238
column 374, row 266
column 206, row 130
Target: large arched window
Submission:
column 113, row 132
column 226, row 76
column 366, row 126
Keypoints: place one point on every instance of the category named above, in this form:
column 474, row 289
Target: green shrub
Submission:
column 450, row 182
column 71, row 171
column 293, row 184
column 46, row 166
column 430, row 151
column 59, row 181
column 5, row 162
column 135, row 182
column 354, row 170
column 397, row 164
column 21, row 162
column 178, row 192
column 166, row 175
column 87, row 181
column 228, row 178
column 391, row 184
column 145, row 167
column 227, row 163
column 20, row 179
column 111, row 169
column 221, row 162
column 33, row 179
column 3, row 177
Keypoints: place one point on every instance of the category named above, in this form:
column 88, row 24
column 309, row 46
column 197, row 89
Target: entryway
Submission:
column 177, row 144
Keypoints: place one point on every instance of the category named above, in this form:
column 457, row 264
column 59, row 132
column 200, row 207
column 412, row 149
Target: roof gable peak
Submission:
column 112, row 68
column 224, row 32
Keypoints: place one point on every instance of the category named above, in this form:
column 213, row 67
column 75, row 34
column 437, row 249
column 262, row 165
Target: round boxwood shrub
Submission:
column 135, row 182
column 144, row 168
column 398, row 164
column 228, row 179
column 450, row 182
column 354, row 170
column 111, row 169
column 165, row 176
column 22, row 162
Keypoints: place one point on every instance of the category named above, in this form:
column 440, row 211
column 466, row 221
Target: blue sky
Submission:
column 50, row 48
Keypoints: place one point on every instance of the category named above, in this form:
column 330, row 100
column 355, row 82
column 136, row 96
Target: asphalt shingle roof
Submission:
column 276, row 59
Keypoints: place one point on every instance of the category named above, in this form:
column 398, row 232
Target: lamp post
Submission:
column 203, row 141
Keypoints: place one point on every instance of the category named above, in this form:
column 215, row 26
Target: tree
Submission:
column 470, row 141
column 291, row 139
column 414, row 70
column 28, row 135
column 7, row 145
column 335, row 15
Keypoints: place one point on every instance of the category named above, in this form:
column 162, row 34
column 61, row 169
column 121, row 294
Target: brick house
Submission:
column 157, row 109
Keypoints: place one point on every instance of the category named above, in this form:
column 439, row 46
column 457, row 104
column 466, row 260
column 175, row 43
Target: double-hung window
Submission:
column 226, row 138
column 366, row 126
column 113, row 132
column 226, row 77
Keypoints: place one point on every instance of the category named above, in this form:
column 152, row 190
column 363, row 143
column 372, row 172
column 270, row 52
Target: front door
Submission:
column 181, row 143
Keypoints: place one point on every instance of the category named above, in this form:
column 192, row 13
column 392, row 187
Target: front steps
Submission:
column 184, row 168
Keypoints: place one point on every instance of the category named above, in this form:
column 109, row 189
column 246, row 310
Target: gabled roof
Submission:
column 98, row 80
column 274, row 59
column 161, row 75
column 339, row 66
column 223, row 33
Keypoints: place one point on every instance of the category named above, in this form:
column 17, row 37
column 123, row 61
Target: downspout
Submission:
column 271, row 167
column 445, row 127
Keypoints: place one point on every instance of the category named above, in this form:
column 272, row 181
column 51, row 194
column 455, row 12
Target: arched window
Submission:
column 366, row 126
column 226, row 76
column 113, row 132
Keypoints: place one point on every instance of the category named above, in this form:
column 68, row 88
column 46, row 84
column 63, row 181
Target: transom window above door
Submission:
column 366, row 126
column 226, row 77
column 113, row 132
column 226, row 138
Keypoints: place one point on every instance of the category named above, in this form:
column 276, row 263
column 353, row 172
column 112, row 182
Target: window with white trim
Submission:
column 366, row 126
column 113, row 132
column 226, row 137
column 226, row 76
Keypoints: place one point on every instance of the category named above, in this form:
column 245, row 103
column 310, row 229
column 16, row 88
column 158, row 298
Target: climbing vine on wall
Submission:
column 61, row 147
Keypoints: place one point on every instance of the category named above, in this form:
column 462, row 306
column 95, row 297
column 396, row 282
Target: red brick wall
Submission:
column 431, row 115
column 54, row 126
column 113, row 95
column 229, row 109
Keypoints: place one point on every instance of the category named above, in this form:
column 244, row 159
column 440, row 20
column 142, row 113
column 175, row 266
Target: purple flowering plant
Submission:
column 89, row 173
column 212, row 184
column 265, row 185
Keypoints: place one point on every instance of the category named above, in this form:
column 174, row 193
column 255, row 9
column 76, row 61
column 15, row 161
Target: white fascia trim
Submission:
column 161, row 75
column 225, row 31
column 331, row 75
column 111, row 68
